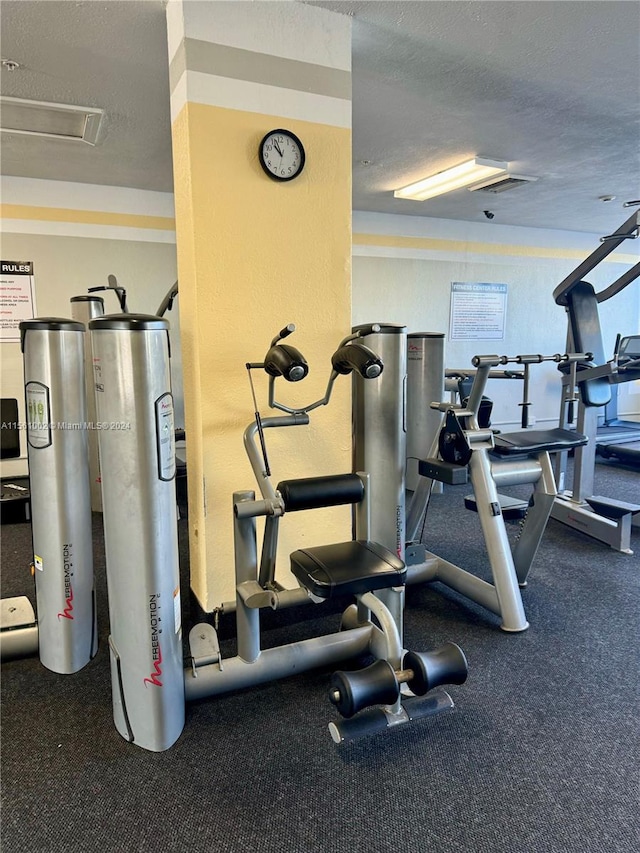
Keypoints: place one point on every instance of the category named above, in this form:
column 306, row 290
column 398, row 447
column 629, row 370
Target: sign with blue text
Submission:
column 478, row 311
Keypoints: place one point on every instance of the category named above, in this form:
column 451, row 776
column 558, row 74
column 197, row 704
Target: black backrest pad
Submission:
column 315, row 492
column 582, row 306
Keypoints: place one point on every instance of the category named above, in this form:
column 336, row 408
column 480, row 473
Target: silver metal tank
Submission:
column 379, row 433
column 84, row 309
column 380, row 443
column 425, row 384
column 57, row 447
column 137, row 452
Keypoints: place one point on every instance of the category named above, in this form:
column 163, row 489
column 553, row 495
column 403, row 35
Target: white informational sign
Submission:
column 17, row 297
column 478, row 311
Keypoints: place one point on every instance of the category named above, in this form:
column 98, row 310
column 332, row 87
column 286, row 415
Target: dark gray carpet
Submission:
column 540, row 753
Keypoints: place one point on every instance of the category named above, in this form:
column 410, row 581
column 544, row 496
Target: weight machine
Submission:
column 587, row 386
column 466, row 451
column 618, row 438
column 65, row 631
column 84, row 309
column 149, row 681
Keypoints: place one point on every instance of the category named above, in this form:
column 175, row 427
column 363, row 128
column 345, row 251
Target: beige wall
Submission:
column 255, row 254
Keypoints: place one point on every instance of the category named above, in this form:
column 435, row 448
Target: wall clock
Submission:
column 281, row 155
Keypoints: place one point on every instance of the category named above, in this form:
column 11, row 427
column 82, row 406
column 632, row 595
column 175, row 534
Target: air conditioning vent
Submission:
column 502, row 183
column 56, row 121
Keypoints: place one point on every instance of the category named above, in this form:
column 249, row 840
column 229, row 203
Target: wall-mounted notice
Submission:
column 478, row 311
column 17, row 297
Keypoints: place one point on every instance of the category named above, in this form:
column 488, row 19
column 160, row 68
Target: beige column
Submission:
column 255, row 254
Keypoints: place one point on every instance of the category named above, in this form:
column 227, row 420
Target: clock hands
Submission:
column 288, row 147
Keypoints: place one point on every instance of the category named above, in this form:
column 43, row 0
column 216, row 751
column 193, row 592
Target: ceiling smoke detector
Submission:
column 501, row 183
column 56, row 121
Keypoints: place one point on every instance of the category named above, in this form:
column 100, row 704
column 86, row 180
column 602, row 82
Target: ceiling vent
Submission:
column 501, row 183
column 55, row 121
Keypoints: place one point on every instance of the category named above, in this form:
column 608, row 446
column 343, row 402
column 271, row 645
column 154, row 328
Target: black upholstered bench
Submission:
column 347, row 568
column 537, row 441
column 344, row 568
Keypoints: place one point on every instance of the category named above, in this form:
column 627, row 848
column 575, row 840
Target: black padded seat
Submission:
column 537, row 441
column 347, row 568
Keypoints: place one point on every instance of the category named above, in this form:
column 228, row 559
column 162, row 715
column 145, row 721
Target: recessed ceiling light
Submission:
column 56, row 121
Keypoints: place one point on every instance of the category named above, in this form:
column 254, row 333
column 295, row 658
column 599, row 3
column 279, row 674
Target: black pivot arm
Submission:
column 358, row 357
column 286, row 361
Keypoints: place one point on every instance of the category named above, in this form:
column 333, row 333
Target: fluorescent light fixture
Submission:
column 463, row 175
column 56, row 121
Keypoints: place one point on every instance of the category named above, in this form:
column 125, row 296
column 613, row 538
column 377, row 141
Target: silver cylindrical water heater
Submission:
column 55, row 397
column 379, row 433
column 84, row 309
column 137, row 452
column 425, row 384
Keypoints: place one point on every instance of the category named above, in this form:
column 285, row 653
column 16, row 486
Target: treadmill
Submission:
column 619, row 439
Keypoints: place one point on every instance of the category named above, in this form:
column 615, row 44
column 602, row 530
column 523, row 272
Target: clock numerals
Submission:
column 281, row 155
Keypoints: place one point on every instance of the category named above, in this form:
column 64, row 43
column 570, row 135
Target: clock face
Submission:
column 281, row 155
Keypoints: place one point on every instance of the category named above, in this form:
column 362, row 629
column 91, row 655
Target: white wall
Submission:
column 75, row 242
column 403, row 267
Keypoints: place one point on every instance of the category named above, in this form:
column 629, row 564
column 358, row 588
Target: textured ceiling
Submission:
column 551, row 87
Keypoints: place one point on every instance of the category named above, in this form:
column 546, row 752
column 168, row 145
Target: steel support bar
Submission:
column 276, row 663
column 626, row 230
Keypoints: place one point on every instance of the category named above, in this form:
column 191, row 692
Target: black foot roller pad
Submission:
column 347, row 568
column 377, row 720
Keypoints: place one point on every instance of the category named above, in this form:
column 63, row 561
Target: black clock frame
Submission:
column 298, row 142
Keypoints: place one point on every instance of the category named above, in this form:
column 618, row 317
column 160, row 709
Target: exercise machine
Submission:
column 84, row 309
column 465, row 451
column 149, row 682
column 15, row 505
column 459, row 382
column 65, row 632
column 425, row 382
column 587, row 388
column 617, row 438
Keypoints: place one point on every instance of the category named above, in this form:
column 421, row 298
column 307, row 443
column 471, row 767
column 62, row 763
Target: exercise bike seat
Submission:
column 347, row 568
column 537, row 441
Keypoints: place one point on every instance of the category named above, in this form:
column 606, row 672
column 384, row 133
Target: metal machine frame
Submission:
column 462, row 452
column 589, row 387
column 149, row 681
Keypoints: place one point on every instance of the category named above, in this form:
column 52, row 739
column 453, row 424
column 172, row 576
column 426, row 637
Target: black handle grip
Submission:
column 286, row 361
column 356, row 356
column 288, row 329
